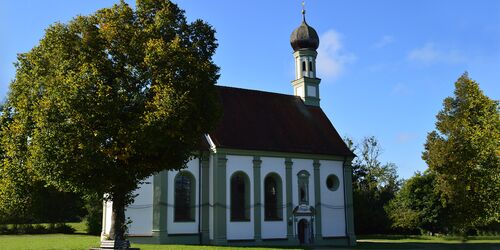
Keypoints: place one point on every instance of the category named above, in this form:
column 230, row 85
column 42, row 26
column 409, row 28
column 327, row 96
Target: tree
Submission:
column 374, row 185
column 464, row 153
column 108, row 99
column 417, row 206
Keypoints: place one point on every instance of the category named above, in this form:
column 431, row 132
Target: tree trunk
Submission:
column 117, row 231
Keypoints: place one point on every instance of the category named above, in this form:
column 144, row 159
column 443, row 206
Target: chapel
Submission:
column 274, row 172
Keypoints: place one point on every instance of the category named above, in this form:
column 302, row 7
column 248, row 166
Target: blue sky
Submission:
column 386, row 66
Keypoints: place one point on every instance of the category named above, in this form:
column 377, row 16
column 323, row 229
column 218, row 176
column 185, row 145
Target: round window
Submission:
column 332, row 182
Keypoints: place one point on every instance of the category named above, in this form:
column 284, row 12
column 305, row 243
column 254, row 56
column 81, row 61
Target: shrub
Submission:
column 64, row 229
column 93, row 219
column 4, row 229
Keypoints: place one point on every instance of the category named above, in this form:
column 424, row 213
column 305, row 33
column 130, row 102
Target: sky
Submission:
column 385, row 65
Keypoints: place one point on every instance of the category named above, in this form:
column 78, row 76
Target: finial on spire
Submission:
column 303, row 10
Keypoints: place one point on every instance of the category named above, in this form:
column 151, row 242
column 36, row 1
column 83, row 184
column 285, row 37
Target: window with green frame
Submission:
column 273, row 208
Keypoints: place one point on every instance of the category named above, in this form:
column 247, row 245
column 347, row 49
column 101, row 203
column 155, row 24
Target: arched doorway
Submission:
column 304, row 231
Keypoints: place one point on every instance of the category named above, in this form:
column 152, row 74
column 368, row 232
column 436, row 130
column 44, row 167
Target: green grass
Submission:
column 78, row 241
column 428, row 242
column 427, row 239
column 48, row 241
column 184, row 247
column 80, row 227
column 70, row 242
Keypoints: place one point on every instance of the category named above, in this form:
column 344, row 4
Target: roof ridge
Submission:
column 256, row 90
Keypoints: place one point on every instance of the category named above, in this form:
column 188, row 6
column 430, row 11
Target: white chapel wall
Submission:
column 273, row 229
column 183, row 227
column 332, row 209
column 239, row 230
column 141, row 211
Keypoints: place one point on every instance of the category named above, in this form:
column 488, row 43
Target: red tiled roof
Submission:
column 257, row 120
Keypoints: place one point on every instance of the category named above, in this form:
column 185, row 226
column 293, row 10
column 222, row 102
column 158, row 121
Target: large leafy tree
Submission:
column 464, row 153
column 108, row 99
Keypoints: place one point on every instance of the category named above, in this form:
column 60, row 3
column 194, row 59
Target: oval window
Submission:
column 332, row 182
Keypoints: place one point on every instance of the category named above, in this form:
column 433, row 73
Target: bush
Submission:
column 36, row 229
column 64, row 229
column 4, row 229
column 26, row 229
column 93, row 219
column 60, row 228
column 39, row 229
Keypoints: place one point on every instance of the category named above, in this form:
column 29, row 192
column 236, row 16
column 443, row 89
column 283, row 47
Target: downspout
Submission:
column 199, row 197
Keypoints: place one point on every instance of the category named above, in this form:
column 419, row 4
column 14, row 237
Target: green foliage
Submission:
column 93, row 219
column 464, row 154
column 25, row 200
column 417, row 206
column 36, row 229
column 108, row 99
column 374, row 185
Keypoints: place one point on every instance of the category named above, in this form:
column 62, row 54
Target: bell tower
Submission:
column 305, row 41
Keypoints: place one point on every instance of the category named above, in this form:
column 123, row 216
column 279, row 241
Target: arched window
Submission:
column 303, row 179
column 273, row 197
column 310, row 66
column 240, row 197
column 303, row 65
column 184, row 196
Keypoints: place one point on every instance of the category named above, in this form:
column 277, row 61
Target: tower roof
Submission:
column 304, row 36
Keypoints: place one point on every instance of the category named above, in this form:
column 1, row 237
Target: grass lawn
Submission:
column 77, row 241
column 48, row 241
column 428, row 242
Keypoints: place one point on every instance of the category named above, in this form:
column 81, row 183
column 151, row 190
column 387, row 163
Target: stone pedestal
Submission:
column 114, row 244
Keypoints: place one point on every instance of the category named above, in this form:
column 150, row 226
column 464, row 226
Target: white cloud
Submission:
column 405, row 137
column 331, row 56
column 384, row 41
column 400, row 89
column 430, row 54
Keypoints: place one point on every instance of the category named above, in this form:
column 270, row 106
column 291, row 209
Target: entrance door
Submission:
column 304, row 232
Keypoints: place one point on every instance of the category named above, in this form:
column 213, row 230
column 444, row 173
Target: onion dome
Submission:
column 304, row 37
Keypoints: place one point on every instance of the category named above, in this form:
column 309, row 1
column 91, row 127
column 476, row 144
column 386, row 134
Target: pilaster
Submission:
column 257, row 199
column 289, row 198
column 349, row 213
column 160, row 208
column 317, row 198
column 205, row 187
column 220, row 204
